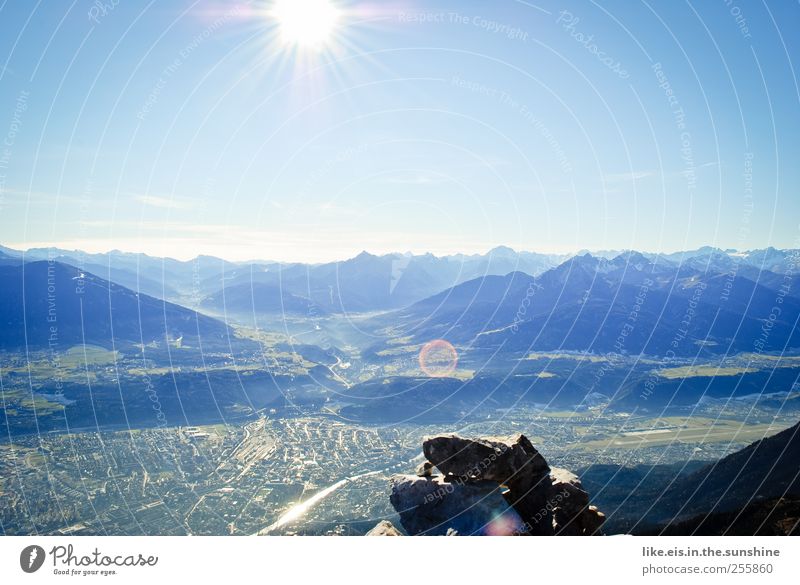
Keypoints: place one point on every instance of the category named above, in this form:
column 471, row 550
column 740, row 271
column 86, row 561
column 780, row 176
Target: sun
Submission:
column 306, row 23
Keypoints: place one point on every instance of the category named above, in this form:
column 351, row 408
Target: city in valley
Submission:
column 285, row 471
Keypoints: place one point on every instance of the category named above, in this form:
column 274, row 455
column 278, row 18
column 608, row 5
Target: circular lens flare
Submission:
column 438, row 358
column 305, row 23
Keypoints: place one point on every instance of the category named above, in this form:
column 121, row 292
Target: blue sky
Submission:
column 185, row 128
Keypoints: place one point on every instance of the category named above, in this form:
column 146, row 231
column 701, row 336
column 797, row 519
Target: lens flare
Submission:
column 438, row 358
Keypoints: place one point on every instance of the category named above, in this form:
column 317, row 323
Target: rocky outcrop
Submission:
column 572, row 514
column 491, row 486
column 433, row 506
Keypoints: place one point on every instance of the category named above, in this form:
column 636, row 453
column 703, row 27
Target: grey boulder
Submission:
column 433, row 506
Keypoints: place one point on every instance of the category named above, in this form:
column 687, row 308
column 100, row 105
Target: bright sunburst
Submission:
column 306, row 23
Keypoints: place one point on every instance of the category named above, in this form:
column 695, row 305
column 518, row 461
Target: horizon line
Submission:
column 566, row 255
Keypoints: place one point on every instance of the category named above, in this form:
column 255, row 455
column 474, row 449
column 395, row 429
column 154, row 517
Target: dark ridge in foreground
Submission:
column 768, row 468
column 775, row 517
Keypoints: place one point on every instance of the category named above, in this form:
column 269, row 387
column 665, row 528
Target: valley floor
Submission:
column 243, row 478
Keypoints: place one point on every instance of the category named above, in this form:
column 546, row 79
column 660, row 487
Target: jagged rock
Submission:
column 572, row 514
column 384, row 528
column 514, row 463
column 433, row 506
column 569, row 500
column 563, row 479
column 425, row 470
column 492, row 485
column 591, row 520
column 500, row 460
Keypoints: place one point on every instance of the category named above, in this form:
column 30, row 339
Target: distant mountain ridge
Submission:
column 365, row 282
column 369, row 282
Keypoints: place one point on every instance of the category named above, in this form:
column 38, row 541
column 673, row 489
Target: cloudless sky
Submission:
column 181, row 128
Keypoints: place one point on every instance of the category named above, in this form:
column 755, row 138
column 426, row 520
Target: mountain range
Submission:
column 707, row 301
column 629, row 305
column 369, row 282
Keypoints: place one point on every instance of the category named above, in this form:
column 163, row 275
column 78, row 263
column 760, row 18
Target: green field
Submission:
column 668, row 430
